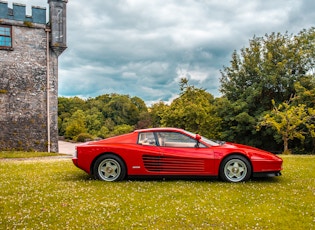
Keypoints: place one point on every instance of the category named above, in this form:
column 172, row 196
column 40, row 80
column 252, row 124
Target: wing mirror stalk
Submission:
column 197, row 138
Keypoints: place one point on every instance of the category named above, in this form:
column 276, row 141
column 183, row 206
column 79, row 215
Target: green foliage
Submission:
column 83, row 137
column 76, row 125
column 194, row 111
column 268, row 69
column 70, row 105
column 94, row 120
column 286, row 120
column 121, row 129
column 145, row 120
column 237, row 122
column 103, row 132
column 54, row 194
column 156, row 111
column 310, row 125
column 271, row 68
column 305, row 91
column 103, row 116
column 121, row 110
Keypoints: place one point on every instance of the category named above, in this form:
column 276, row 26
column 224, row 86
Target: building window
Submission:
column 5, row 36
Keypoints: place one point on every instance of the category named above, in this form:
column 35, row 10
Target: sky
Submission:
column 144, row 47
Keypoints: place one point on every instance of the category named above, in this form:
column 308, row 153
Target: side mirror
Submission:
column 198, row 137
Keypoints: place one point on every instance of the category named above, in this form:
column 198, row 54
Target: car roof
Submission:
column 159, row 129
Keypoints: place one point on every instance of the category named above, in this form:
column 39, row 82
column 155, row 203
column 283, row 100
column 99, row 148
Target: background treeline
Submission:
column 268, row 101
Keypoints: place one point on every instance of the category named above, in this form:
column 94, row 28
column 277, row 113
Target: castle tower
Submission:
column 58, row 15
column 29, row 51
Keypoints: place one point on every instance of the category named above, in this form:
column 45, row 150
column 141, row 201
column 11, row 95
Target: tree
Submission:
column 310, row 125
column 287, row 121
column 76, row 125
column 193, row 111
column 94, row 120
column 156, row 112
column 266, row 70
column 144, row 118
column 305, row 91
column 70, row 105
column 139, row 103
column 98, row 117
column 122, row 129
column 121, row 110
column 237, row 123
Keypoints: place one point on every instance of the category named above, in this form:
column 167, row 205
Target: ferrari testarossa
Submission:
column 173, row 152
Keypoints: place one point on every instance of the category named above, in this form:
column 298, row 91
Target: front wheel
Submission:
column 109, row 168
column 235, row 169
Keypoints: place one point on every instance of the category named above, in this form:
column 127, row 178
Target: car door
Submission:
column 150, row 154
column 182, row 155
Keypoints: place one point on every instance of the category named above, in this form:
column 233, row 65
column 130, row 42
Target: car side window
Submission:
column 173, row 139
column 146, row 138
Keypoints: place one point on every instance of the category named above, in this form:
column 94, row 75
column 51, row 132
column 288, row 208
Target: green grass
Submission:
column 22, row 154
column 54, row 194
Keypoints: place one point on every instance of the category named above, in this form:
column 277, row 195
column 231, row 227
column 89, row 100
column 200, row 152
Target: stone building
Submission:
column 29, row 50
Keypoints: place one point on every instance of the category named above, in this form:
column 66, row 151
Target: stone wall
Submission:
column 25, row 65
column 23, row 91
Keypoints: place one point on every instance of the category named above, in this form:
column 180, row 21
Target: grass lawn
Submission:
column 54, row 194
column 21, row 154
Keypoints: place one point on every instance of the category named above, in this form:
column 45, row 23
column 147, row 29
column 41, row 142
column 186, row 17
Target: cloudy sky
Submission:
column 143, row 47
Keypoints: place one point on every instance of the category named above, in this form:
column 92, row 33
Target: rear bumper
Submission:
column 267, row 174
column 75, row 161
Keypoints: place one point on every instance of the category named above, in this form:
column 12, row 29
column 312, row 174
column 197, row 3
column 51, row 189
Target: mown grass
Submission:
column 22, row 154
column 53, row 194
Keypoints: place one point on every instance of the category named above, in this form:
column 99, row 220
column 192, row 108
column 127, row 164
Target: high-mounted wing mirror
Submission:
column 198, row 137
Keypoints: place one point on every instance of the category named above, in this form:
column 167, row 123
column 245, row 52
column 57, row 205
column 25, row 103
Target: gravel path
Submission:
column 65, row 148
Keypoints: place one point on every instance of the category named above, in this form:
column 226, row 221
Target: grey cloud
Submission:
column 142, row 48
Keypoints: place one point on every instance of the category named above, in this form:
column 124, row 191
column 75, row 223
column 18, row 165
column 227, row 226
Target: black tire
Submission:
column 235, row 168
column 109, row 168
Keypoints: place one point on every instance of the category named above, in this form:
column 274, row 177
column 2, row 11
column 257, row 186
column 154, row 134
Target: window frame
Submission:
column 184, row 141
column 147, row 138
column 4, row 46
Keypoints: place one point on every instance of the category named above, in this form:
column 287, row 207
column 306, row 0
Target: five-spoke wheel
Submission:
column 109, row 168
column 235, row 168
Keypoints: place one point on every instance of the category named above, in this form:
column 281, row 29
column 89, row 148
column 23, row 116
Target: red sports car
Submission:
column 173, row 152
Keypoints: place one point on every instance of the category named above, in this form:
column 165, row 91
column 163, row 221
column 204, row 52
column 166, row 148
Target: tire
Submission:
column 109, row 168
column 235, row 168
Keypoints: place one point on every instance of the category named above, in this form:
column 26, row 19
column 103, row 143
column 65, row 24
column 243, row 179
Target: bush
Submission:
column 83, row 137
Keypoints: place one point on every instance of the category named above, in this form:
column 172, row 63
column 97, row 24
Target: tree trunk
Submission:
column 286, row 145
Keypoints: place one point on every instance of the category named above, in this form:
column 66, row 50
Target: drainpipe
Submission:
column 47, row 90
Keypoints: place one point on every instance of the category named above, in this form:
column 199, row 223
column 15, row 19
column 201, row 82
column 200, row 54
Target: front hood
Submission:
column 251, row 151
column 240, row 146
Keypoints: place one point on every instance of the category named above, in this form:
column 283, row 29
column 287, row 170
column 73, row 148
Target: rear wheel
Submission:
column 109, row 168
column 235, row 168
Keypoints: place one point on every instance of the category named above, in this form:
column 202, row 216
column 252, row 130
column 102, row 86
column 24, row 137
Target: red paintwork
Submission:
column 160, row 160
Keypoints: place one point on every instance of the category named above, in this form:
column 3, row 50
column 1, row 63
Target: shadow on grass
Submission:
column 266, row 180
column 78, row 177
column 86, row 177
